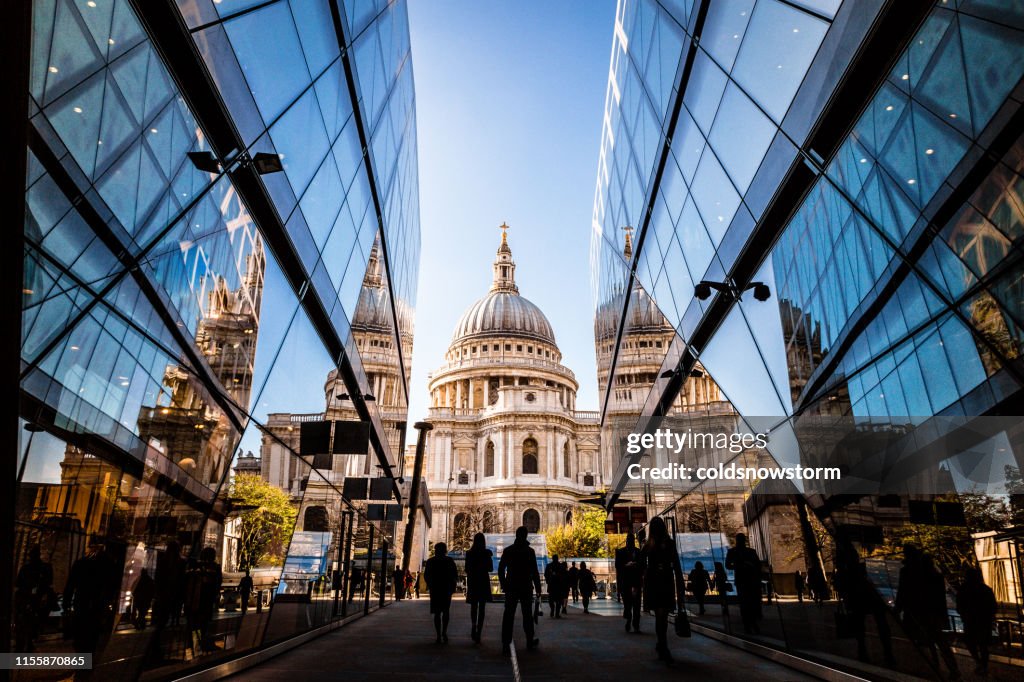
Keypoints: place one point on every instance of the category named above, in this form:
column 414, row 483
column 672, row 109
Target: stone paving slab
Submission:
column 397, row 643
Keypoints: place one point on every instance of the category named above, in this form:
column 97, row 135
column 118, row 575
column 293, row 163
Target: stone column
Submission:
column 471, row 387
column 458, row 393
column 550, row 447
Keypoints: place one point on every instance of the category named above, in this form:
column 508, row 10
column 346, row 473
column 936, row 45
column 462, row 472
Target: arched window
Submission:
column 566, row 469
column 568, row 517
column 529, row 456
column 315, row 520
column 489, row 459
column 531, row 519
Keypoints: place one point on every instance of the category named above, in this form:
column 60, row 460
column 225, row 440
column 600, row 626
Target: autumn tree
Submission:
column 266, row 519
column 582, row 537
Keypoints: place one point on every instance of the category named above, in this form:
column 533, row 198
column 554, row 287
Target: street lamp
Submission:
column 448, row 509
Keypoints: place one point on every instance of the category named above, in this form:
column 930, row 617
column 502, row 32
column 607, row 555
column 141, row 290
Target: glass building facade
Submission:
column 864, row 161
column 221, row 225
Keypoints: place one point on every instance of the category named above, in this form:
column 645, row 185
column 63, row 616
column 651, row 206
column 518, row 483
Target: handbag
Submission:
column 682, row 624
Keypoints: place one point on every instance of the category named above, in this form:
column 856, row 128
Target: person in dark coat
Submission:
column 574, row 582
column 398, row 583
column 976, row 603
column 33, row 596
column 628, row 579
column 556, row 578
column 245, row 588
column 588, row 585
column 518, row 575
column 90, row 593
column 663, row 581
column 921, row 599
column 800, row 583
column 202, row 595
column 142, row 598
column 700, row 582
column 478, row 582
column 746, row 566
column 441, row 576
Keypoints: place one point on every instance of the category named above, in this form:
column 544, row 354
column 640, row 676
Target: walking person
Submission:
column 142, row 599
column 554, row 576
column 518, row 575
column 245, row 588
column 663, row 581
column 700, row 582
column 478, row 583
column 574, row 582
column 33, row 598
column 976, row 603
column 407, row 580
column 628, row 579
column 746, row 566
column 921, row 599
column 588, row 585
column 800, row 583
column 398, row 583
column 202, row 593
column 441, row 576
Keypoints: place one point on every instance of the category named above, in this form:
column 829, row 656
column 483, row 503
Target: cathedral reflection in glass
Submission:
column 864, row 161
column 222, row 225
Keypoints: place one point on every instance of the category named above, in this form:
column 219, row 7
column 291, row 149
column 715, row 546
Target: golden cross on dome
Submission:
column 504, row 231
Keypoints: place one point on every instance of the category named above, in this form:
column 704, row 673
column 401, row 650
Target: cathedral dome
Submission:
column 503, row 312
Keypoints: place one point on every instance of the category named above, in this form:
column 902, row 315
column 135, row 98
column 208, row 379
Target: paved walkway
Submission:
column 397, row 643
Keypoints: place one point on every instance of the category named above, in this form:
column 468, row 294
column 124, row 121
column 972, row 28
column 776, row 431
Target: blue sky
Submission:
column 509, row 99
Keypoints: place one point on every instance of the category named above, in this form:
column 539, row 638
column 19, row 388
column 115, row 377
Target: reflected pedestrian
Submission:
column 921, row 599
column 417, row 584
column 588, row 585
column 142, row 598
column 663, row 581
column 746, row 566
column 90, row 594
column 628, row 579
column 800, row 583
column 202, row 594
column 398, row 583
column 518, row 575
column 33, row 597
column 976, row 603
column 441, row 576
column 699, row 583
column 245, row 587
column 479, row 561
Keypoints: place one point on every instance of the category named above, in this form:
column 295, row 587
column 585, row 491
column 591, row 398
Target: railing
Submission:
column 587, row 414
column 510, row 362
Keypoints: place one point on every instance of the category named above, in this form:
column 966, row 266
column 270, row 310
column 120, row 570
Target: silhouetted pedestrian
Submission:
column 555, row 575
column 628, row 579
column 408, row 580
column 518, row 575
column 90, row 593
column 441, row 576
column 33, row 597
column 398, row 583
column 245, row 587
column 355, row 582
column 921, row 599
column 800, row 583
column 588, row 585
column 746, row 566
column 417, row 584
column 479, row 561
column 663, row 581
column 142, row 598
column 573, row 574
column 699, row 582
column 202, row 593
column 976, row 603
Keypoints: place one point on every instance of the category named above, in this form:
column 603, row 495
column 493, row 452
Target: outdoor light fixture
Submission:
column 204, row 161
column 265, row 162
column 731, row 290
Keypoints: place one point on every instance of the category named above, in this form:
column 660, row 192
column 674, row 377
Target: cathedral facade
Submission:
column 508, row 447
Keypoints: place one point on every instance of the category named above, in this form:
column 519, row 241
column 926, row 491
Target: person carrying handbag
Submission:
column 663, row 584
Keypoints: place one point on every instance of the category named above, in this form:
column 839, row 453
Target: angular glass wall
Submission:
column 188, row 300
column 888, row 237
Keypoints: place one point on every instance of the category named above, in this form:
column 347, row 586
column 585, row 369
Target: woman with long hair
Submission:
column 478, row 582
column 663, row 581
